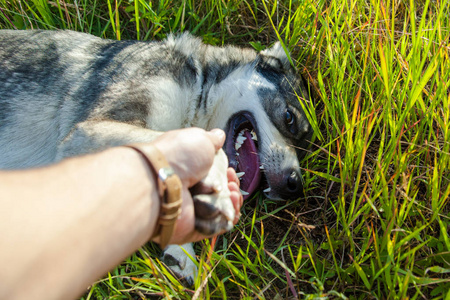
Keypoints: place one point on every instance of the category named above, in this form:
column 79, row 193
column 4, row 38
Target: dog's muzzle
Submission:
column 242, row 150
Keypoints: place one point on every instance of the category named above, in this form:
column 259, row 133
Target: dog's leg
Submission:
column 210, row 199
column 182, row 265
column 91, row 136
column 214, row 210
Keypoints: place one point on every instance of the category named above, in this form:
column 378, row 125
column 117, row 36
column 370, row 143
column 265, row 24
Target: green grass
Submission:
column 375, row 222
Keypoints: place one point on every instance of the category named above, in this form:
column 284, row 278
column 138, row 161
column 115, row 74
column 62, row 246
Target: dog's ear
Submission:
column 276, row 57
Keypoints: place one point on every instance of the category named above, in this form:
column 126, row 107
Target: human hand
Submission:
column 190, row 152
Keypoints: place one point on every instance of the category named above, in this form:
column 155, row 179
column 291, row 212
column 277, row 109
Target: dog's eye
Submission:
column 289, row 118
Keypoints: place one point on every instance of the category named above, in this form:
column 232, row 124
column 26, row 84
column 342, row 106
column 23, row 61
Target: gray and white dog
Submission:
column 64, row 93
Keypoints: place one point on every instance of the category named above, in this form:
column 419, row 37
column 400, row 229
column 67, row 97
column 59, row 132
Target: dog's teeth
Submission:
column 240, row 139
column 267, row 190
column 244, row 193
column 261, row 167
column 254, row 136
column 240, row 174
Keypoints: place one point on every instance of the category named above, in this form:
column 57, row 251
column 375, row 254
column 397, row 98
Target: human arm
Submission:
column 65, row 225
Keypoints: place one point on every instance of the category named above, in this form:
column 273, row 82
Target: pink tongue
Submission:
column 248, row 162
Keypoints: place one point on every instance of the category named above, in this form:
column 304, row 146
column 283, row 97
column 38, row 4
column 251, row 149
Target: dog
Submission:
column 64, row 93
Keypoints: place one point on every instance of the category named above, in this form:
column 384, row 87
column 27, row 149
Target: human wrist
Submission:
column 140, row 172
column 168, row 186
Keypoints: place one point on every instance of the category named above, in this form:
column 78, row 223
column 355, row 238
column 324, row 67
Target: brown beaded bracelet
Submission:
column 169, row 191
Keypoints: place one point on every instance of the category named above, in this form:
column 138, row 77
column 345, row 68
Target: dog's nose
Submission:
column 286, row 185
column 293, row 187
column 293, row 182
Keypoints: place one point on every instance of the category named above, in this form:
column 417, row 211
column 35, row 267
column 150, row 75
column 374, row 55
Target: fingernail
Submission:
column 217, row 186
column 219, row 132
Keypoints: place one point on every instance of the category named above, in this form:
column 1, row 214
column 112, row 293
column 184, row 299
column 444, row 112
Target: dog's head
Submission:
column 267, row 129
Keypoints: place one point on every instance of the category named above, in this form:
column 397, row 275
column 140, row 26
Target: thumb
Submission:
column 217, row 137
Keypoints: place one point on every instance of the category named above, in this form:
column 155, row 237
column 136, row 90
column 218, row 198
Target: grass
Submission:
column 375, row 222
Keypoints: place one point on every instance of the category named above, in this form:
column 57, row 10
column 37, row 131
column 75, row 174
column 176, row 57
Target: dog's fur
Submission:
column 64, row 93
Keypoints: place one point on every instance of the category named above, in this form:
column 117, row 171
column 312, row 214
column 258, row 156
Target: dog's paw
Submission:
column 214, row 211
column 181, row 264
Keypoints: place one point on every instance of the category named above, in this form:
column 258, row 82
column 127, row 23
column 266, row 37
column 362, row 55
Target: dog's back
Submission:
column 49, row 82
column 34, row 100
column 52, row 80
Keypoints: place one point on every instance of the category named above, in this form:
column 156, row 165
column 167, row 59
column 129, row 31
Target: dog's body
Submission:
column 64, row 93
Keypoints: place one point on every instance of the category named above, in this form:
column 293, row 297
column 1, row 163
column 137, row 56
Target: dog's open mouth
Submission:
column 241, row 148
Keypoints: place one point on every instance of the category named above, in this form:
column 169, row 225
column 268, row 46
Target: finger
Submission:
column 233, row 186
column 231, row 175
column 217, row 137
column 234, row 196
column 237, row 200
